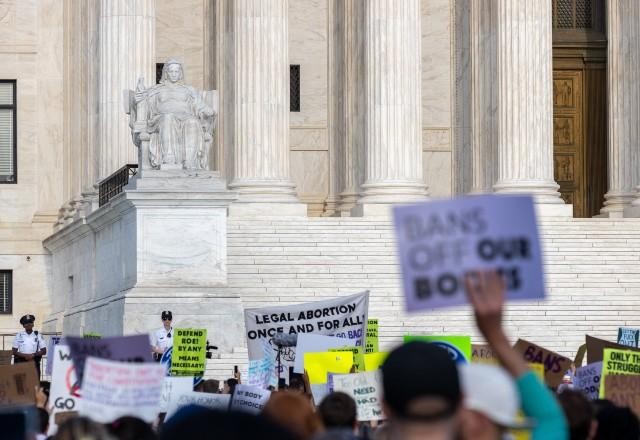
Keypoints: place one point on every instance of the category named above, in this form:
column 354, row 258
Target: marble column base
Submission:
column 267, row 209
column 618, row 205
column 271, row 198
column 545, row 195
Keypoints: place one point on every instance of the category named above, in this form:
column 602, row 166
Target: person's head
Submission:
column 43, row 420
column 294, row 412
column 616, row 423
column 167, row 318
column 27, row 322
column 229, row 386
column 491, row 402
column 338, row 410
column 579, row 413
column 81, row 428
column 131, row 428
column 421, row 390
column 172, row 72
column 210, row 386
column 296, row 383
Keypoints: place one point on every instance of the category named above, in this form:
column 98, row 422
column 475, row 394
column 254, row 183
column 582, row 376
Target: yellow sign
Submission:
column 618, row 362
column 358, row 356
column 372, row 361
column 317, row 365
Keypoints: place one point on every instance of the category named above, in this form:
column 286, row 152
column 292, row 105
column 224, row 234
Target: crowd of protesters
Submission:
column 425, row 396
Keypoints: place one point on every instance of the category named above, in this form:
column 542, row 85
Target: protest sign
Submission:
column 249, row 399
column 358, row 356
column 5, row 357
column 618, row 362
column 628, row 336
column 587, row 379
column 439, row 242
column 93, row 335
column 482, row 353
column 596, row 346
column 312, row 343
column 17, row 384
column 133, row 348
column 624, row 390
column 582, row 350
column 372, row 361
column 189, row 352
column 262, row 373
column 173, row 386
column 65, row 390
column 555, row 365
column 459, row 347
column 371, row 344
column 366, row 390
column 344, row 317
column 53, row 341
column 207, row 400
column 317, row 365
column 113, row 389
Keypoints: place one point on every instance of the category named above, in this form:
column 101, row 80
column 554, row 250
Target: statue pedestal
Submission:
column 159, row 245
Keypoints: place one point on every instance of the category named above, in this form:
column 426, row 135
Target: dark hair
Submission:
column 231, row 383
column 616, row 423
column 338, row 410
column 579, row 413
column 43, row 420
column 209, row 386
column 131, row 428
column 294, row 412
column 81, row 427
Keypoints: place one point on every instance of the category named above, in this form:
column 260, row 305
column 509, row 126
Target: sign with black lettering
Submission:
column 65, row 389
column 249, row 399
column 629, row 336
column 440, row 242
column 555, row 365
column 366, row 390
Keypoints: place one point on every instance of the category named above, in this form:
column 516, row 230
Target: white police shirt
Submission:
column 163, row 339
column 28, row 343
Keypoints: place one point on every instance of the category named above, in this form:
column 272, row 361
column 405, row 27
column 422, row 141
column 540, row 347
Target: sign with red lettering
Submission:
column 555, row 365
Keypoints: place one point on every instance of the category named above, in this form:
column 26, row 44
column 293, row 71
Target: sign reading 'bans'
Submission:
column 440, row 242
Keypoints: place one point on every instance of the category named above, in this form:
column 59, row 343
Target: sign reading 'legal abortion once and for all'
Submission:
column 440, row 242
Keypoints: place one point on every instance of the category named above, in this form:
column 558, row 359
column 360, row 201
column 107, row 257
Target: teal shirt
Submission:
column 542, row 407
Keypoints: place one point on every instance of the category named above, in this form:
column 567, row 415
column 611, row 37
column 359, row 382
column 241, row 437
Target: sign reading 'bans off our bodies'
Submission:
column 441, row 241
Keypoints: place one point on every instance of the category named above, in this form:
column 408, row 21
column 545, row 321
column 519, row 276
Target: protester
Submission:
column 131, row 428
column 338, row 412
column 615, row 423
column 229, row 386
column 163, row 337
column 580, row 415
column 293, row 412
column 208, row 386
column 28, row 345
column 82, row 428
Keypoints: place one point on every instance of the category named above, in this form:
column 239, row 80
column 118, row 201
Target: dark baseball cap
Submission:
column 420, row 370
column 27, row 319
column 166, row 315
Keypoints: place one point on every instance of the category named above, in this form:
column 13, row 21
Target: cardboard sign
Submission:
column 174, row 386
column 439, row 242
column 371, row 341
column 344, row 317
column 366, row 390
column 628, row 336
column 595, row 348
column 372, row 361
column 249, row 399
column 114, row 389
column 618, row 362
column 5, row 357
column 189, row 352
column 482, row 353
column 311, row 343
column 317, row 365
column 587, row 379
column 207, row 400
column 459, row 347
column 624, row 391
column 53, row 341
column 65, row 389
column 133, row 348
column 555, row 365
column 17, row 384
column 358, row 357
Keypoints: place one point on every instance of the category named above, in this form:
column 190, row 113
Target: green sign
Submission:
column 92, row 335
column 358, row 356
column 459, row 347
column 189, row 352
column 371, row 342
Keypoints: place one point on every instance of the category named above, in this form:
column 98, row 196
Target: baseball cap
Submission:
column 26, row 319
column 167, row 315
column 489, row 390
column 420, row 370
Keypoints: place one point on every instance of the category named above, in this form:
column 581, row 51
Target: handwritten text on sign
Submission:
column 441, row 241
column 366, row 390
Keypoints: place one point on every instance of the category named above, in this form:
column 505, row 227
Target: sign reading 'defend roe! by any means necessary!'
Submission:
column 440, row 242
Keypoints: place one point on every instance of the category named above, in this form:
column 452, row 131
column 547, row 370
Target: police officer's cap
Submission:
column 167, row 315
column 27, row 319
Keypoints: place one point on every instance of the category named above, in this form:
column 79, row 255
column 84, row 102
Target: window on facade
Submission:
column 8, row 160
column 294, row 87
column 573, row 14
column 5, row 291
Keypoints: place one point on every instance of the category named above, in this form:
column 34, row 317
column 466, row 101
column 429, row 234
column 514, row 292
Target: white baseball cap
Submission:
column 489, row 390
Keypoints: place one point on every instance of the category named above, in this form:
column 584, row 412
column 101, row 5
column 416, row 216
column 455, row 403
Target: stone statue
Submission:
column 172, row 123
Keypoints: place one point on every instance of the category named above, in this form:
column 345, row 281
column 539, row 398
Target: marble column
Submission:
column 525, row 107
column 126, row 35
column 393, row 123
column 261, row 119
column 623, row 92
column 484, row 90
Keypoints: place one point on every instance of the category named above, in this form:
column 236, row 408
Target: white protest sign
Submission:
column 310, row 343
column 366, row 390
column 345, row 317
column 112, row 389
column 263, row 372
column 441, row 241
column 53, row 341
column 65, row 391
column 587, row 379
column 629, row 336
column 249, row 399
column 174, row 385
column 207, row 400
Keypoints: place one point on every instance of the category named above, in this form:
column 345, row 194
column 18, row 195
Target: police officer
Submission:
column 28, row 345
column 163, row 337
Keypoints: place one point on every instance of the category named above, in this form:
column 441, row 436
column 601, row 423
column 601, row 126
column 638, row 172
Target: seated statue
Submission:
column 172, row 123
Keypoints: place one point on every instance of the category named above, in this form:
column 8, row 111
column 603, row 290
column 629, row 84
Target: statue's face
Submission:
column 174, row 72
